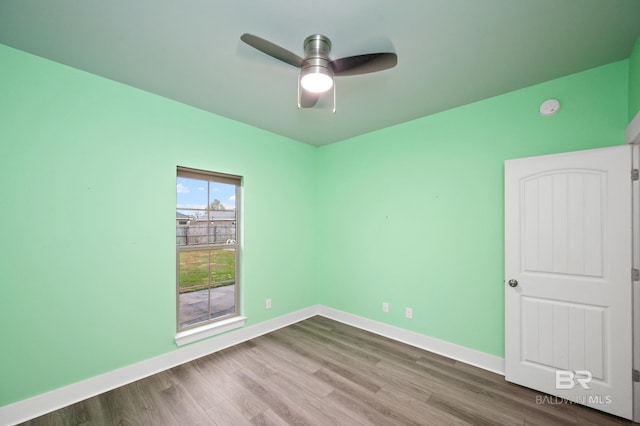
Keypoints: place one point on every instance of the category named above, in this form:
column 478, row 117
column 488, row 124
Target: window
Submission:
column 207, row 249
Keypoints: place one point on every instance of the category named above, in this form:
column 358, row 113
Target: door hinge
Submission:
column 636, row 375
column 635, row 174
column 635, row 274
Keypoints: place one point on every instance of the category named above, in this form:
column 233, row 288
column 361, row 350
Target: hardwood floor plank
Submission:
column 237, row 395
column 258, row 365
column 381, row 344
column 521, row 400
column 94, row 410
column 474, row 413
column 342, row 346
column 182, row 405
column 373, row 400
column 426, row 413
column 334, row 351
column 280, row 403
column 150, row 404
column 76, row 414
column 328, row 360
column 359, row 410
column 267, row 418
column 231, row 359
column 589, row 417
column 323, row 372
column 270, row 347
column 319, row 407
column 379, row 376
column 294, row 375
column 224, row 413
column 200, row 389
column 118, row 406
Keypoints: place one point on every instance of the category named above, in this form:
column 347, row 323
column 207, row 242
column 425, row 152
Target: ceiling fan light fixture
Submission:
column 316, row 79
column 317, row 69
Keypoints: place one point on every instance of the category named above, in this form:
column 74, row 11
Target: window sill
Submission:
column 190, row 336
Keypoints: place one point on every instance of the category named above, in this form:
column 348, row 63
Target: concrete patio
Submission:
column 194, row 306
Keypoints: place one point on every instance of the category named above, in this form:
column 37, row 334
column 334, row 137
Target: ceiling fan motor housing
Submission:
column 316, row 50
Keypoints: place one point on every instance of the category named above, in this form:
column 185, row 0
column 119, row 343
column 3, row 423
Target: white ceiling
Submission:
column 450, row 52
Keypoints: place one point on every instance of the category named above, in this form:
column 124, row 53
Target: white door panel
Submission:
column 568, row 244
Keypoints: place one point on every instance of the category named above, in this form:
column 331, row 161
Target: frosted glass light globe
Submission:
column 316, row 82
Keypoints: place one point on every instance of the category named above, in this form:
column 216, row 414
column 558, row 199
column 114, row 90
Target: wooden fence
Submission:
column 191, row 235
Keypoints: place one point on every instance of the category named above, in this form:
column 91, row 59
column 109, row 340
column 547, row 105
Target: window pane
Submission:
column 196, row 231
column 222, row 196
column 222, row 227
column 194, row 270
column 223, row 267
column 194, row 307
column 222, row 214
column 223, row 279
column 191, row 193
column 207, row 284
column 223, row 300
column 188, row 233
column 193, row 287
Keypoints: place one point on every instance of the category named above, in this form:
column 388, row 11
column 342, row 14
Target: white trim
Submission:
column 209, row 330
column 635, row 312
column 38, row 405
column 450, row 350
column 632, row 132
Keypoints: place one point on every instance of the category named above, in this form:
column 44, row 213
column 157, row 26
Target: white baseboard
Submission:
column 450, row 350
column 38, row 405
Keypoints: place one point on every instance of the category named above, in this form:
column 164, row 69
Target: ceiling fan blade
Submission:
column 308, row 99
column 363, row 64
column 272, row 49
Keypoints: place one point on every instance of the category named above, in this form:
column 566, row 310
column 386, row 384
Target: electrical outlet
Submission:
column 408, row 313
column 385, row 307
column 267, row 304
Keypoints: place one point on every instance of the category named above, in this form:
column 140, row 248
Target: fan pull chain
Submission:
column 299, row 99
column 334, row 95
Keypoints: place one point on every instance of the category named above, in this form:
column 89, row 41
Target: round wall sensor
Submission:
column 549, row 107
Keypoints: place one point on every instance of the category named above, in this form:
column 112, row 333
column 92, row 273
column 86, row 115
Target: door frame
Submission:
column 635, row 250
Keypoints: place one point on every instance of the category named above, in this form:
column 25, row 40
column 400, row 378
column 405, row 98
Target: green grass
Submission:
column 194, row 269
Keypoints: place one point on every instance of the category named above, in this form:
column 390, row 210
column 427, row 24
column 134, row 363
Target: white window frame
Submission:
column 224, row 323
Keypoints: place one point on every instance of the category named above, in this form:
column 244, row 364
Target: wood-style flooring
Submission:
column 322, row 372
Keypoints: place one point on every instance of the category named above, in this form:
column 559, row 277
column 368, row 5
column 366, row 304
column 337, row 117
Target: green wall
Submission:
column 413, row 214
column 634, row 81
column 87, row 269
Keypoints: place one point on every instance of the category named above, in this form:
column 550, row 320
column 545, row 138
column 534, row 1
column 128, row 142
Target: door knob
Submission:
column 513, row 283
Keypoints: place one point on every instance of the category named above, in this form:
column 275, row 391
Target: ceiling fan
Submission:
column 317, row 69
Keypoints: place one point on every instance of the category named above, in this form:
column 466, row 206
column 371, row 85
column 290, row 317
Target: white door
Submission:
column 568, row 282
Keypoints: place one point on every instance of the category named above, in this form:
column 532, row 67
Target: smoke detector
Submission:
column 549, row 107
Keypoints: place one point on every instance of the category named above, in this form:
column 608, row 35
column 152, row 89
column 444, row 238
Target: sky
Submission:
column 192, row 194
